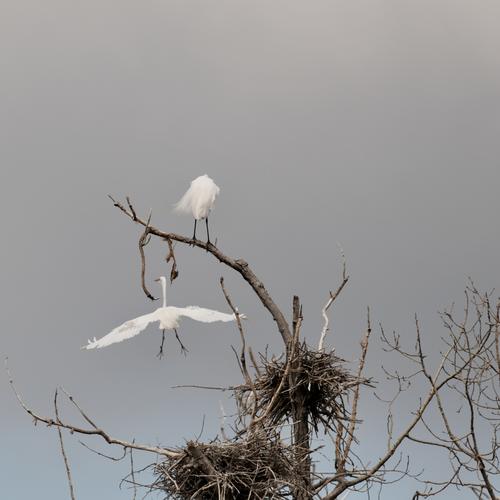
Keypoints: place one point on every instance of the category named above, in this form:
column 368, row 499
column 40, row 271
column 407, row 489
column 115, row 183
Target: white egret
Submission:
column 169, row 318
column 199, row 200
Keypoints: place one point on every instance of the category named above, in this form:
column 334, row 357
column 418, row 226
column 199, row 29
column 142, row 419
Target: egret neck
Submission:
column 164, row 290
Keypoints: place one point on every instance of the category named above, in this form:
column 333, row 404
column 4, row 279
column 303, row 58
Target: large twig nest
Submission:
column 255, row 468
column 320, row 379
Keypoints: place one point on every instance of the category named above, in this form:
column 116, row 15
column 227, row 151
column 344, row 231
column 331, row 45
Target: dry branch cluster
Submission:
column 468, row 404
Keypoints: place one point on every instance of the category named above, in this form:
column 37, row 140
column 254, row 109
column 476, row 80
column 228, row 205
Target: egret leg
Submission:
column 183, row 349
column 160, row 354
column 208, row 234
column 194, row 233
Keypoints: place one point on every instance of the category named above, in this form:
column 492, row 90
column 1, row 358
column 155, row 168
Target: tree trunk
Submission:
column 301, row 431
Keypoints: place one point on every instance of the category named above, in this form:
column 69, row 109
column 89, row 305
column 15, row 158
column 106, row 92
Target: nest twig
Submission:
column 319, row 376
column 256, row 468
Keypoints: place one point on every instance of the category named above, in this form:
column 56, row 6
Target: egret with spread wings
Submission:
column 168, row 317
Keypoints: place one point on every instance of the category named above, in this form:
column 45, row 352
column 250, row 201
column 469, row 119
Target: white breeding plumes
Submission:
column 199, row 200
column 168, row 317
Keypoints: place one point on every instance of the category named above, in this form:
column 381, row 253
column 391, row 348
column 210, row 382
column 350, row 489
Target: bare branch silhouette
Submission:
column 285, row 402
column 63, row 451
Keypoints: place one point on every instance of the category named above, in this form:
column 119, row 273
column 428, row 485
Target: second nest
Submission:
column 256, row 468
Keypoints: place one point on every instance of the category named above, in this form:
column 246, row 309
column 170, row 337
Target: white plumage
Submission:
column 199, row 200
column 168, row 318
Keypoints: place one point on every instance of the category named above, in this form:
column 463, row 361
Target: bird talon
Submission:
column 183, row 348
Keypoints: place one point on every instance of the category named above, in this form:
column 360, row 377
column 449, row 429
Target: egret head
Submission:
column 161, row 279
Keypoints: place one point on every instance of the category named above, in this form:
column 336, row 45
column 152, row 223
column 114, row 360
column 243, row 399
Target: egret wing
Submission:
column 126, row 331
column 185, row 203
column 204, row 315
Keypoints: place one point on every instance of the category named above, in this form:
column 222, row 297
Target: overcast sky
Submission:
column 373, row 125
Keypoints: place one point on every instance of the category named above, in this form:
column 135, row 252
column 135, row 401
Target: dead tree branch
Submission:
column 63, row 452
column 174, row 272
column 238, row 265
column 354, row 412
column 331, row 300
column 94, row 431
column 243, row 360
column 143, row 241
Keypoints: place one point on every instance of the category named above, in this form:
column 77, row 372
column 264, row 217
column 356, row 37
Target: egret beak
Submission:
column 157, row 279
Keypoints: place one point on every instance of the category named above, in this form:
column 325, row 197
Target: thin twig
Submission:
column 63, row 452
column 129, row 203
column 254, row 362
column 143, row 241
column 354, row 411
column 331, row 300
column 132, row 473
column 109, row 457
column 243, row 360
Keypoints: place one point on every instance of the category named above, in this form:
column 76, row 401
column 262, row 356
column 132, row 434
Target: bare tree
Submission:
column 470, row 420
column 283, row 403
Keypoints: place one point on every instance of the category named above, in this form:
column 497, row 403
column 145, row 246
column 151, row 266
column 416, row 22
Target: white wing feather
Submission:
column 204, row 315
column 126, row 331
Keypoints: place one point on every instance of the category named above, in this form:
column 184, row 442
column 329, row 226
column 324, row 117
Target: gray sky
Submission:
column 372, row 124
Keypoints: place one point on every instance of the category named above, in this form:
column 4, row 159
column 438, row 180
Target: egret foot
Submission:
column 183, row 348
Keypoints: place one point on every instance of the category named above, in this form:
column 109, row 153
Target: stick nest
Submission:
column 318, row 380
column 255, row 468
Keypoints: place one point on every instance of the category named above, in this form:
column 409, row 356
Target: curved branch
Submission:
column 95, row 431
column 238, row 265
column 143, row 241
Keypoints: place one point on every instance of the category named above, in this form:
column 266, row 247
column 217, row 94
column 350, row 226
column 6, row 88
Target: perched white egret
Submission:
column 169, row 318
column 199, row 200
